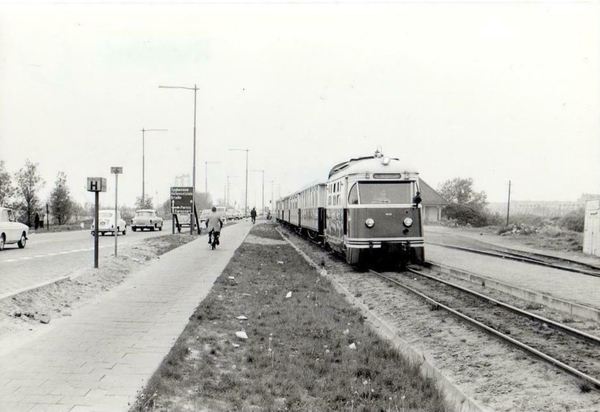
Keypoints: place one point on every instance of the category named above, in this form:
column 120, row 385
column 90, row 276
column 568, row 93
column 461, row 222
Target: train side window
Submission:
column 353, row 195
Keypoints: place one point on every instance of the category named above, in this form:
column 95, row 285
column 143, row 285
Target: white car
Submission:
column 12, row 231
column 107, row 223
column 146, row 219
column 203, row 216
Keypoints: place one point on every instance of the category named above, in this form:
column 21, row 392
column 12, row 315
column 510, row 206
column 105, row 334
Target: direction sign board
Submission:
column 96, row 184
column 116, row 170
column 181, row 200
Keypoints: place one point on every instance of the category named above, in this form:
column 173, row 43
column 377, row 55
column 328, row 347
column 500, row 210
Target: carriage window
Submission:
column 385, row 193
column 353, row 196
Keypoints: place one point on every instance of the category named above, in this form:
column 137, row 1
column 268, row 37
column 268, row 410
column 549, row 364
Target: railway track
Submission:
column 568, row 349
column 535, row 259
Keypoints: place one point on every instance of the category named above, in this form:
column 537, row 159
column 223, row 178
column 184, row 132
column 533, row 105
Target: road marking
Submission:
column 66, row 252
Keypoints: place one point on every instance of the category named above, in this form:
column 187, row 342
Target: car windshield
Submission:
column 144, row 214
column 106, row 215
column 380, row 193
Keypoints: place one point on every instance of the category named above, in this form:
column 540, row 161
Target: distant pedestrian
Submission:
column 253, row 215
column 37, row 221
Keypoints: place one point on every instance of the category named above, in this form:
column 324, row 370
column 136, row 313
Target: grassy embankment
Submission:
column 308, row 352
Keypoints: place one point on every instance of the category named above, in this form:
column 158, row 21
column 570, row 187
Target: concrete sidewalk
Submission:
column 98, row 359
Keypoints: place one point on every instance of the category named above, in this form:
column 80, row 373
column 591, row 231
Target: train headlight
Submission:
column 369, row 223
column 407, row 222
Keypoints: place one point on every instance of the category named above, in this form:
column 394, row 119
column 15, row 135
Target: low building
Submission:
column 432, row 203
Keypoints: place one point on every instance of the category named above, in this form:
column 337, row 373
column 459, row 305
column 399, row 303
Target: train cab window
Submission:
column 385, row 192
column 353, row 196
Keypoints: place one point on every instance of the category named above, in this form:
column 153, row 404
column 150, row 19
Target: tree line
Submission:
column 20, row 191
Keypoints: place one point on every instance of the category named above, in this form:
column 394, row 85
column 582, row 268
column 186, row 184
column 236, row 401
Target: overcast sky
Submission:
column 492, row 91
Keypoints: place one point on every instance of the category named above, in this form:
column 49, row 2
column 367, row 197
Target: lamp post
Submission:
column 195, row 89
column 206, row 177
column 144, row 160
column 263, row 190
column 246, row 198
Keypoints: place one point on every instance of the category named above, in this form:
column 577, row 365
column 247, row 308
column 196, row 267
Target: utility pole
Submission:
column 116, row 171
column 508, row 206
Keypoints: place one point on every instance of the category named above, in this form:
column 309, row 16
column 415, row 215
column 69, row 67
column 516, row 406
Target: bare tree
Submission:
column 29, row 183
column 145, row 203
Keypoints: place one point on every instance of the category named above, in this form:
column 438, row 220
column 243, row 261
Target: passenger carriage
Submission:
column 368, row 210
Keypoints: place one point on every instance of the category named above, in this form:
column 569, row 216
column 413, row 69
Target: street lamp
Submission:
column 195, row 89
column 246, row 199
column 263, row 189
column 206, row 177
column 144, row 161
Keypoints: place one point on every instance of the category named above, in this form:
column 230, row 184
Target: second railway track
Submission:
column 573, row 351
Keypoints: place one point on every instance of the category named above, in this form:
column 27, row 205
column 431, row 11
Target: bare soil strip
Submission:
column 29, row 310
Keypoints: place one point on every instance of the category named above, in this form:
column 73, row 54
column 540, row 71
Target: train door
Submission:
column 344, row 199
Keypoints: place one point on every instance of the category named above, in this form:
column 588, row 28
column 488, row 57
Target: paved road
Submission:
column 49, row 256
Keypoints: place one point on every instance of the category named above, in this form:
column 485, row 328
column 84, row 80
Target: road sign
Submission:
column 116, row 170
column 96, row 184
column 181, row 200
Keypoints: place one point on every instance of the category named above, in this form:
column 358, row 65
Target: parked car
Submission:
column 230, row 214
column 107, row 223
column 203, row 216
column 146, row 219
column 12, row 231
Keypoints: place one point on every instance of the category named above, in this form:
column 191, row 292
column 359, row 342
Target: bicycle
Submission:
column 215, row 240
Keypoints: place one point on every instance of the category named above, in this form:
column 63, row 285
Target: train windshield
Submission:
column 371, row 193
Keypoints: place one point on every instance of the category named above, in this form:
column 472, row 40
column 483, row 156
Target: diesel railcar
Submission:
column 368, row 210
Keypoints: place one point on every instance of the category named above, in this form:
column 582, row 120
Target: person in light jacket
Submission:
column 214, row 224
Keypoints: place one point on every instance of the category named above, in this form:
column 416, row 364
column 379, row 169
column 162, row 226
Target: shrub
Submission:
column 466, row 215
column 573, row 221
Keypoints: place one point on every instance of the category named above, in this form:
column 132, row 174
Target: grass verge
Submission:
column 307, row 352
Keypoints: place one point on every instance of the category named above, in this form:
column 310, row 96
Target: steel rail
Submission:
column 556, row 325
column 527, row 259
column 514, row 342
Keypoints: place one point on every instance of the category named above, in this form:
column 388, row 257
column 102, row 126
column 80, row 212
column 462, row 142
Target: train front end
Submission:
column 380, row 212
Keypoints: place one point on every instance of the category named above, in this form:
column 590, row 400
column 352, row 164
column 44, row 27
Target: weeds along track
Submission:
column 531, row 258
column 571, row 350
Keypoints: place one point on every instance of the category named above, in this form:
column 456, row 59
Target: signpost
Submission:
column 97, row 185
column 182, row 200
column 117, row 171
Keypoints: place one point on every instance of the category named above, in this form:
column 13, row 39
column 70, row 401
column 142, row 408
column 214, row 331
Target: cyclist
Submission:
column 253, row 215
column 214, row 225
